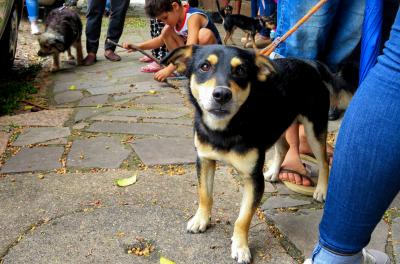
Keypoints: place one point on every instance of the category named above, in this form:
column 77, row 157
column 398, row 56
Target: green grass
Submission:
column 16, row 86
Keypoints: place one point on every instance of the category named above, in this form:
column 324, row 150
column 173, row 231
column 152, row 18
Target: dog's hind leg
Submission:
column 227, row 37
column 79, row 53
column 253, row 39
column 281, row 148
column 231, row 37
column 318, row 146
column 69, row 54
column 247, row 39
column 205, row 174
column 252, row 193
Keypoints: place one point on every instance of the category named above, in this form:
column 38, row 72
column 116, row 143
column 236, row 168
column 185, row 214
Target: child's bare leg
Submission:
column 171, row 39
column 206, row 36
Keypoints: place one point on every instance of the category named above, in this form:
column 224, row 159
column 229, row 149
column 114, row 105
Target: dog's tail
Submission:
column 222, row 14
column 341, row 84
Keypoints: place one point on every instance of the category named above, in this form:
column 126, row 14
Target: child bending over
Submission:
column 184, row 25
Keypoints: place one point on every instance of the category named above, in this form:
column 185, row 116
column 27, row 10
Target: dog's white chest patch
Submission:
column 243, row 162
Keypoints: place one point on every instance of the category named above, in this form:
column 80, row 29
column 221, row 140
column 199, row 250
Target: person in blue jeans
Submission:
column 33, row 13
column 365, row 174
column 330, row 36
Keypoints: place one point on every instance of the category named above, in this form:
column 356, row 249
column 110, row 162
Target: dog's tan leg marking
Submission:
column 253, row 39
column 281, row 148
column 247, row 38
column 318, row 146
column 205, row 174
column 56, row 62
column 69, row 54
column 231, row 36
column 245, row 164
column 227, row 36
column 240, row 245
column 79, row 53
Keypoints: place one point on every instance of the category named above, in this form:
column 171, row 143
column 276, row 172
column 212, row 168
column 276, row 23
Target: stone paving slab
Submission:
column 396, row 238
column 112, row 89
column 4, row 136
column 302, row 229
column 86, row 112
column 94, row 100
column 68, row 97
column 151, row 113
column 89, row 220
column 42, row 118
column 98, row 152
column 161, row 98
column 34, row 159
column 177, row 121
column 163, row 151
column 281, row 202
column 41, row 134
column 141, row 129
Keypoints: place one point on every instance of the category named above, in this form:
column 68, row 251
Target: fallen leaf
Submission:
column 72, row 88
column 99, row 106
column 152, row 92
column 28, row 107
column 126, row 181
column 166, row 261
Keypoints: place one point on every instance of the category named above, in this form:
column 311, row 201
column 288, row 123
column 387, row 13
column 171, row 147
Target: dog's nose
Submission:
column 222, row 95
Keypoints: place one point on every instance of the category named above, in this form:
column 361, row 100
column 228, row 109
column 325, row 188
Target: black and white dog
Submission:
column 63, row 30
column 234, row 92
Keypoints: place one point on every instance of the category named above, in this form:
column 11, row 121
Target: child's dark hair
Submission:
column 154, row 8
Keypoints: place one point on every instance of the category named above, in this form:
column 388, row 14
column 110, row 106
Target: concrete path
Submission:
column 59, row 203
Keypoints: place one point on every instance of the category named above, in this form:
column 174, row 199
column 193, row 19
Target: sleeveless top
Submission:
column 183, row 30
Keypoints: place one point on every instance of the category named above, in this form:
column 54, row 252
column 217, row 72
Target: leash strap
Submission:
column 271, row 47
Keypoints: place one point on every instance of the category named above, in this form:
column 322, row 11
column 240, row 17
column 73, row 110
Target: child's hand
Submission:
column 163, row 74
column 128, row 46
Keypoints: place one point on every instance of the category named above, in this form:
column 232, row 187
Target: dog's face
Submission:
column 221, row 78
column 270, row 21
column 50, row 43
column 228, row 9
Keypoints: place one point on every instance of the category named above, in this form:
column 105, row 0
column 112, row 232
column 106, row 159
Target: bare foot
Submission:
column 293, row 162
column 304, row 148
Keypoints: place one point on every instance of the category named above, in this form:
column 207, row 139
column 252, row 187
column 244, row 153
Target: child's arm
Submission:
column 147, row 45
column 195, row 23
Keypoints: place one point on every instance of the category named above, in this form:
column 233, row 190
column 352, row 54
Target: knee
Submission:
column 206, row 36
column 166, row 32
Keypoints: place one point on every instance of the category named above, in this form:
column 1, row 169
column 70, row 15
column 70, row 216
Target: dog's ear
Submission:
column 265, row 67
column 180, row 57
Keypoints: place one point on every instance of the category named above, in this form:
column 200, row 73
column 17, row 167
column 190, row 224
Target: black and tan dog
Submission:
column 217, row 18
column 243, row 104
column 63, row 30
column 248, row 24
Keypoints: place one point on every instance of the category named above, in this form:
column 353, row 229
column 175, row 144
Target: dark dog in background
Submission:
column 248, row 24
column 217, row 18
column 63, row 30
column 270, row 21
column 243, row 103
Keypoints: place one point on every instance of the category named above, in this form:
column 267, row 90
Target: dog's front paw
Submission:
column 240, row 253
column 198, row 223
column 271, row 174
column 320, row 194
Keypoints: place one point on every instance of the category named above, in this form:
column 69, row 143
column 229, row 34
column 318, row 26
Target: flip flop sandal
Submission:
column 311, row 166
column 145, row 59
column 151, row 68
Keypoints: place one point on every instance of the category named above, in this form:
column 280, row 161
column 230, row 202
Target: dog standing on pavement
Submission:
column 248, row 24
column 243, row 103
column 63, row 30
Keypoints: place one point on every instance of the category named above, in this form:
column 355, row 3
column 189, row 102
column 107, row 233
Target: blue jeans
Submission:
column 330, row 35
column 33, row 9
column 365, row 175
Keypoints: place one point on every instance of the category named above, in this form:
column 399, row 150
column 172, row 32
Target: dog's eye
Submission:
column 205, row 67
column 239, row 71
